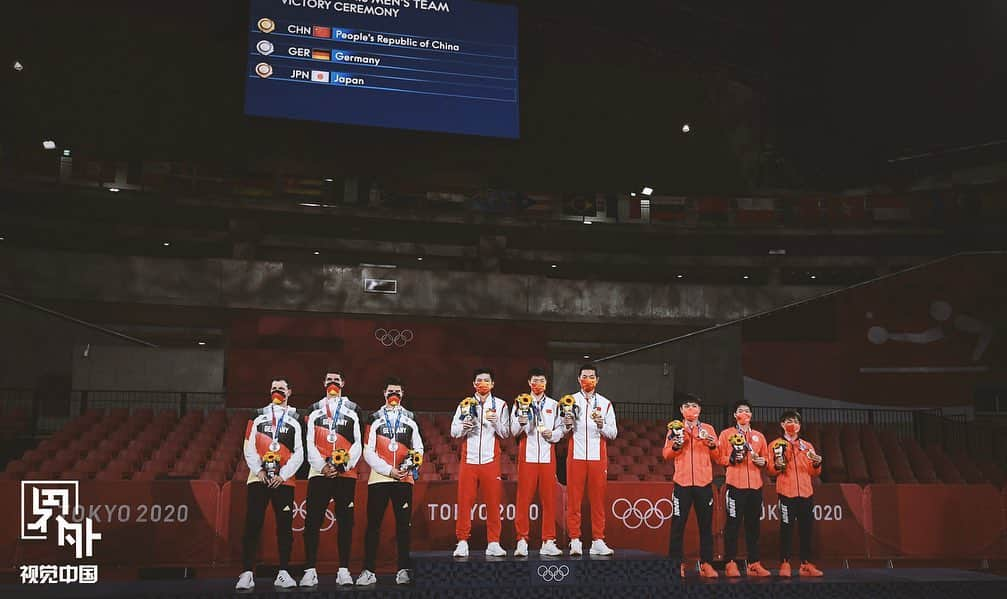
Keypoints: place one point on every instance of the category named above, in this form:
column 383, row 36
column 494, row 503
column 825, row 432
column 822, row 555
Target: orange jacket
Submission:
column 745, row 475
column 693, row 463
column 796, row 479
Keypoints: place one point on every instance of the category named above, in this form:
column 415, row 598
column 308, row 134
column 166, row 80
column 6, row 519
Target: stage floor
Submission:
column 628, row 573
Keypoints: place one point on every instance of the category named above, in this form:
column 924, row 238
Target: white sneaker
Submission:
column 549, row 548
column 366, row 578
column 522, row 549
column 575, row 547
column 462, row 550
column 598, row 547
column 310, row 578
column 246, row 581
column 495, row 550
column 343, row 578
column 402, row 577
column 284, row 580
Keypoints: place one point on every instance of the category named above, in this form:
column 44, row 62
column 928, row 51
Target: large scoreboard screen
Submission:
column 433, row 65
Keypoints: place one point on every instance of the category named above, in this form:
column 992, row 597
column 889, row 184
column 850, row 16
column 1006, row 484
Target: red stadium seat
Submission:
column 834, row 470
column 16, row 467
column 923, row 468
column 945, row 468
column 968, row 468
column 877, row 465
column 896, row 457
column 853, row 454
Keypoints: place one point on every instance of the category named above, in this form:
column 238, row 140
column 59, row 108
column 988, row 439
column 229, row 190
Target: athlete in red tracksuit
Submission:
column 590, row 426
column 480, row 429
column 743, row 497
column 537, row 432
column 273, row 451
column 693, row 451
column 795, row 470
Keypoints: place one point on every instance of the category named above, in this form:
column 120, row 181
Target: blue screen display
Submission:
column 448, row 66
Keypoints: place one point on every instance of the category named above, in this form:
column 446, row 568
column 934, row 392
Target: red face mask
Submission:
column 483, row 387
column 743, row 418
column 278, row 398
column 690, row 414
column 393, row 400
column 333, row 389
column 587, row 385
column 538, row 388
column 792, row 428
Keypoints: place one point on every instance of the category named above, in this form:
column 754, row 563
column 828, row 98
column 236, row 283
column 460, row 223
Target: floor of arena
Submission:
column 630, row 573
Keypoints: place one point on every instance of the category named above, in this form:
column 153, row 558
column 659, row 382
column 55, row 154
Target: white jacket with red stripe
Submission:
column 533, row 448
column 587, row 441
column 386, row 425
column 481, row 445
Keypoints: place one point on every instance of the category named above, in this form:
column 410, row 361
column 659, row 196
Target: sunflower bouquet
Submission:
column 467, row 408
column 339, row 459
column 676, row 430
column 779, row 448
column 523, row 403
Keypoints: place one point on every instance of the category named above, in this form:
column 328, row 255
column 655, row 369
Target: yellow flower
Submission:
column 780, row 443
column 417, row 457
column 736, row 439
column 567, row 401
column 467, row 403
column 340, row 456
column 523, row 400
column 271, row 456
column 675, row 425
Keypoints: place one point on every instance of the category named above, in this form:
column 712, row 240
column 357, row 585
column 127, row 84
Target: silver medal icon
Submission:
column 331, row 438
column 274, row 446
column 265, row 47
column 392, row 446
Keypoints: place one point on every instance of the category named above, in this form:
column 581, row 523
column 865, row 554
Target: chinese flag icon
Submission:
column 320, row 31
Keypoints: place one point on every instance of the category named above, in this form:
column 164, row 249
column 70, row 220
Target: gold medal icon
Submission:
column 263, row 70
column 266, row 25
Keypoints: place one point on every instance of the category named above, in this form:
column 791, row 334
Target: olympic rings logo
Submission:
column 553, row 573
column 300, row 509
column 642, row 512
column 390, row 337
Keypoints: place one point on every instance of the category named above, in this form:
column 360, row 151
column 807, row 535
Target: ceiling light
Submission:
column 686, row 128
column 201, row 343
column 166, row 243
column 647, row 191
column 317, row 252
column 48, row 145
column 114, row 189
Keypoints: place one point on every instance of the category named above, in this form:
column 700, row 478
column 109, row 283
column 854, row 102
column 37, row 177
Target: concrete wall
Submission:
column 111, row 368
column 318, row 288
column 708, row 365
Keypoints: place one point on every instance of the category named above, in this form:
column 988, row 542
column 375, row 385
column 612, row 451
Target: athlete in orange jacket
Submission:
column 744, row 452
column 692, row 445
column 795, row 463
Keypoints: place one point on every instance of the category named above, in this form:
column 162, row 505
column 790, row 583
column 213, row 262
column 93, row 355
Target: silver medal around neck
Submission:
column 392, row 445
column 274, row 446
column 331, row 438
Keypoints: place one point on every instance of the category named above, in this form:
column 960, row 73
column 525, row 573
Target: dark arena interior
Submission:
column 472, row 298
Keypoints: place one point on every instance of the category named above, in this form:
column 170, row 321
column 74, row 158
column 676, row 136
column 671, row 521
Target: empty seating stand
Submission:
column 142, row 444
